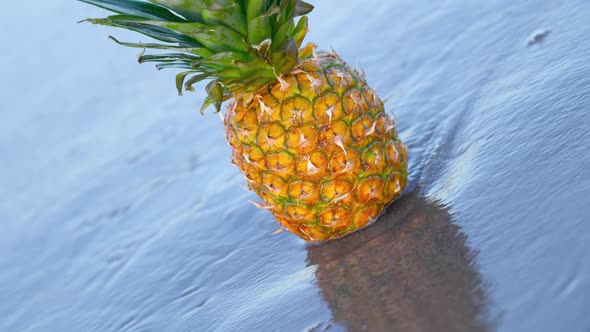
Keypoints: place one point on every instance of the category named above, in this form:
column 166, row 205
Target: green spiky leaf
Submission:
column 169, row 58
column 215, row 92
column 175, row 64
column 202, row 52
column 189, row 9
column 260, row 28
column 137, row 8
column 231, row 16
column 303, row 8
column 180, row 80
column 141, row 25
column 195, row 79
column 240, row 45
column 215, row 38
column 206, row 104
column 300, row 31
column 220, row 61
column 255, row 7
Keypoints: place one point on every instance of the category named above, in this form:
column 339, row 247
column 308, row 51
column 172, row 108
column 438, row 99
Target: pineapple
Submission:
column 312, row 139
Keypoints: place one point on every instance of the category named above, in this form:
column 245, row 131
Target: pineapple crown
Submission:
column 239, row 45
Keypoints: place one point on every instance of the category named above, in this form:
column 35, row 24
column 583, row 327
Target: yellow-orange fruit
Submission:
column 319, row 149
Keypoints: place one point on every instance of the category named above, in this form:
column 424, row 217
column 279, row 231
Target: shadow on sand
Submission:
column 410, row 271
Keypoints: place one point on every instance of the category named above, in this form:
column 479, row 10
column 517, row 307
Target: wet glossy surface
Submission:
column 120, row 211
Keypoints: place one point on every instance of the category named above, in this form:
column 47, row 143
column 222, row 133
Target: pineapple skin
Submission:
column 318, row 148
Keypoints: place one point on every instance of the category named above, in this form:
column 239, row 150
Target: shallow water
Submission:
column 120, row 211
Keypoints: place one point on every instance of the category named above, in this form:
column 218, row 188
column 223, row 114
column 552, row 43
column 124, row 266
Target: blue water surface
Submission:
column 120, row 210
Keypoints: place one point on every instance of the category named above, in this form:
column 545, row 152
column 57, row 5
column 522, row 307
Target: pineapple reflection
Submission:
column 411, row 271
